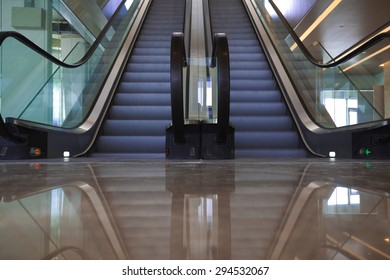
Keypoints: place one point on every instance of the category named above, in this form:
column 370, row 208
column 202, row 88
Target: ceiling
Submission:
column 350, row 22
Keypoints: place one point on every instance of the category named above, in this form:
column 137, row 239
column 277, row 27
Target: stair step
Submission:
column 266, row 84
column 144, row 87
column 135, row 127
column 262, row 122
column 131, row 144
column 136, row 121
column 237, row 96
column 150, row 77
column 150, row 67
column 140, row 112
column 157, row 58
column 149, row 99
column 245, row 110
column 267, row 140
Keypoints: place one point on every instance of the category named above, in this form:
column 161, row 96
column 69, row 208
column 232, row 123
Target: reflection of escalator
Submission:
column 49, row 217
column 140, row 111
column 261, row 119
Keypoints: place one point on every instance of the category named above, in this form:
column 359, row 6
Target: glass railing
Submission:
column 55, row 25
column 200, row 102
column 335, row 96
column 63, row 89
column 202, row 90
column 35, row 89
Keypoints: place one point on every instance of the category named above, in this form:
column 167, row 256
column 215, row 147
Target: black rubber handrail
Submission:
column 62, row 250
column 8, row 135
column 208, row 28
column 24, row 40
column 178, row 62
column 371, row 42
column 220, row 59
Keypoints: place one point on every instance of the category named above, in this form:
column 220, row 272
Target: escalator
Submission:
column 335, row 115
column 55, row 96
column 287, row 103
column 275, row 107
column 115, row 100
column 263, row 125
column 140, row 111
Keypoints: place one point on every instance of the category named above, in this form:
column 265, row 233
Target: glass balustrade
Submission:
column 35, row 89
column 201, row 87
column 352, row 93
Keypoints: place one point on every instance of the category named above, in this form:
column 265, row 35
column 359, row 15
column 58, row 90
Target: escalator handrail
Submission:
column 178, row 62
column 4, row 131
column 8, row 135
column 220, row 59
column 208, row 28
column 62, row 250
column 371, row 42
column 24, row 40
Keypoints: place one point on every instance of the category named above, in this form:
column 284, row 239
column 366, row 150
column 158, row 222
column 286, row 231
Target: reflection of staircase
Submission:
column 263, row 125
column 135, row 124
column 141, row 207
column 152, row 219
column 257, row 212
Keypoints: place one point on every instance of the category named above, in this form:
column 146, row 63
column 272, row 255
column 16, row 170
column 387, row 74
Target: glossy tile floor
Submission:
column 157, row 209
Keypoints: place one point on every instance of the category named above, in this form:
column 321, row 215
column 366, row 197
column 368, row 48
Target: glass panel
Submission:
column 202, row 90
column 34, row 89
column 334, row 97
column 200, row 226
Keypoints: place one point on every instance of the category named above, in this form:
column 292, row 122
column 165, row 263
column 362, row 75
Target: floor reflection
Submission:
column 200, row 215
column 195, row 210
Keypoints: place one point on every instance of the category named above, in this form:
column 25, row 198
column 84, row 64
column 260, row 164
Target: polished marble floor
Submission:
column 157, row 209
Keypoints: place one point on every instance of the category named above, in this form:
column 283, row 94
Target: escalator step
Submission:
column 144, row 87
column 141, row 67
column 135, row 127
column 262, row 122
column 265, row 84
column 140, row 111
column 150, row 59
column 251, row 74
column 131, row 144
column 151, row 50
column 248, row 96
column 267, row 140
column 135, row 77
column 150, row 99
